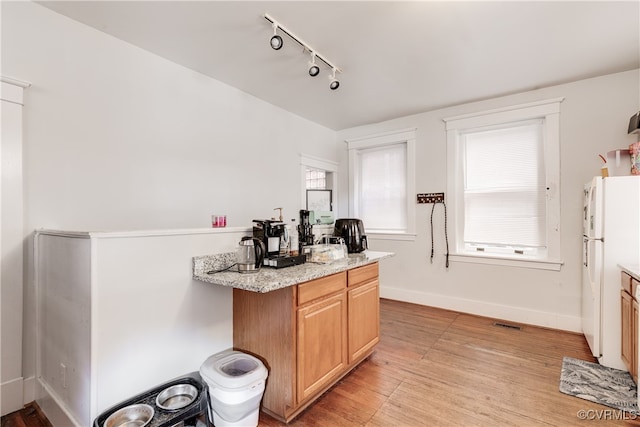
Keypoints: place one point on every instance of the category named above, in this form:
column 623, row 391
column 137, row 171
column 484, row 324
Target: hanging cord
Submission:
column 222, row 269
column 433, row 208
column 446, row 234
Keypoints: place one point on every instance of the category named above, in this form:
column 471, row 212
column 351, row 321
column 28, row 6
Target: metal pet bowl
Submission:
column 176, row 397
column 130, row 416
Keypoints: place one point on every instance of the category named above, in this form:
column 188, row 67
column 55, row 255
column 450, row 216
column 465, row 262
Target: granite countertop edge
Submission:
column 270, row 279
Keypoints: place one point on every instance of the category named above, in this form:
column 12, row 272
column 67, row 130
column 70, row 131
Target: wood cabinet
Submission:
column 629, row 321
column 322, row 343
column 364, row 311
column 626, row 302
column 309, row 335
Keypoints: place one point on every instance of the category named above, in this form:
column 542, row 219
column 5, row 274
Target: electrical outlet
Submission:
column 430, row 197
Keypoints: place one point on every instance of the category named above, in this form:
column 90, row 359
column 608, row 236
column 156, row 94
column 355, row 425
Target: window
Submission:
column 504, row 189
column 381, row 182
column 383, row 187
column 503, row 181
column 318, row 174
column 316, row 179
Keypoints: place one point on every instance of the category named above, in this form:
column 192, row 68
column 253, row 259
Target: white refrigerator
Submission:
column 611, row 235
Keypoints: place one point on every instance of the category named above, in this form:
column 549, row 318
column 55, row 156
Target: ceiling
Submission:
column 398, row 58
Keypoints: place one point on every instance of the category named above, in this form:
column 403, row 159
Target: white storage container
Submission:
column 236, row 383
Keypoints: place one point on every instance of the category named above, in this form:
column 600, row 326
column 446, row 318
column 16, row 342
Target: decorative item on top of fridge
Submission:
column 620, row 162
column 634, row 150
column 624, row 161
column 616, row 163
column 634, row 124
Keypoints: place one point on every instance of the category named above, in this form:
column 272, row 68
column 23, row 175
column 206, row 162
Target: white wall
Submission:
column 116, row 138
column 593, row 119
column 119, row 313
column 11, row 249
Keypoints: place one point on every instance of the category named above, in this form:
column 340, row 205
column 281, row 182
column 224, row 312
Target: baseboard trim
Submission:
column 481, row 308
column 12, row 392
column 29, row 390
column 53, row 407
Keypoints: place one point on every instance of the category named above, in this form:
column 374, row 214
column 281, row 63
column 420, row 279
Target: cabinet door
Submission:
column 627, row 326
column 634, row 341
column 364, row 319
column 322, row 343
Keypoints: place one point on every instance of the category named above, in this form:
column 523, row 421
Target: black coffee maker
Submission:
column 305, row 230
column 271, row 233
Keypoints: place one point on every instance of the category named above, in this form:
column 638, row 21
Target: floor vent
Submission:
column 506, row 325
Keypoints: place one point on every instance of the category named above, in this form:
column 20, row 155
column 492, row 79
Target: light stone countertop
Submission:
column 270, row 279
column 632, row 269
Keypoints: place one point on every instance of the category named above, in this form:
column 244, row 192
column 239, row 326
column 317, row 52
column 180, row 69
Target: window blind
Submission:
column 383, row 187
column 504, row 186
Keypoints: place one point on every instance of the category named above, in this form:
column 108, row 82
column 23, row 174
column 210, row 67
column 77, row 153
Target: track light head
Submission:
column 276, row 40
column 276, row 43
column 314, row 70
column 333, row 82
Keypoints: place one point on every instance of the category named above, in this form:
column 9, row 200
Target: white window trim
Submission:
column 549, row 110
column 407, row 136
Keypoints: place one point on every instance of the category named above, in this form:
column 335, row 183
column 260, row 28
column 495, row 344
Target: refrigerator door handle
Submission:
column 585, row 255
column 588, row 215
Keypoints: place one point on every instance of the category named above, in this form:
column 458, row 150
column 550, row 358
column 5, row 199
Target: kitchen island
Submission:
column 270, row 279
column 310, row 324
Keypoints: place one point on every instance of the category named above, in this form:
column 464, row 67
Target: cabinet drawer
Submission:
column 625, row 282
column 362, row 274
column 321, row 287
column 634, row 286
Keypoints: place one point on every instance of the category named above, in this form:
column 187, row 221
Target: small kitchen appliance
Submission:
column 271, row 233
column 305, row 230
column 275, row 237
column 352, row 231
column 250, row 255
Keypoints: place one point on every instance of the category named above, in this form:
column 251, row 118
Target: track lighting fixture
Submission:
column 314, row 68
column 333, row 82
column 276, row 40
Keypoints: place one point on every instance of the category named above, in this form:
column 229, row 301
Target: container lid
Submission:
column 233, row 369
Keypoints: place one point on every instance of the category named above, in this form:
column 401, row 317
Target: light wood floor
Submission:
column 435, row 367
column 440, row 368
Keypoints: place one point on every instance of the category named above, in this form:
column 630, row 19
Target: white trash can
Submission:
column 236, row 383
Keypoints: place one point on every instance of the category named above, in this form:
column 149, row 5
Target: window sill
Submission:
column 539, row 264
column 373, row 235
